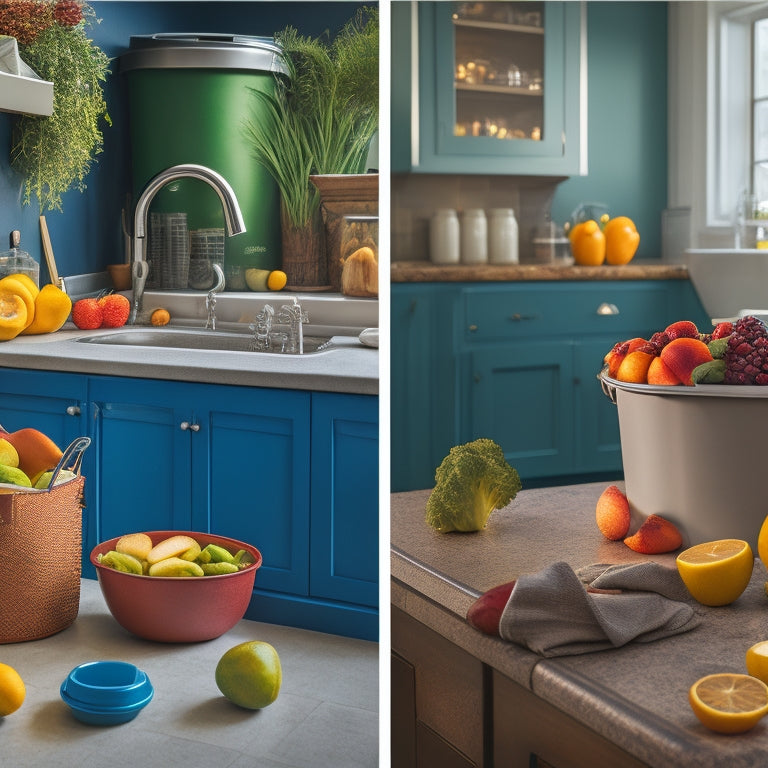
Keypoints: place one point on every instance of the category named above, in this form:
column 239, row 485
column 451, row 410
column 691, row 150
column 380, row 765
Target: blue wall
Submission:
column 627, row 144
column 86, row 236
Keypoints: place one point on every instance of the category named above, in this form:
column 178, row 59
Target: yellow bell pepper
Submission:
column 621, row 240
column 588, row 244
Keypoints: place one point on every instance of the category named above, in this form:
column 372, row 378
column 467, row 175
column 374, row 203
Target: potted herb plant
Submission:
column 54, row 154
column 320, row 120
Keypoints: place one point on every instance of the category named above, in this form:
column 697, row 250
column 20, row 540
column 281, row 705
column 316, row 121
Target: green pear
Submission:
column 44, row 480
column 214, row 569
column 256, row 279
column 120, row 561
column 212, row 553
column 14, row 476
column 175, row 566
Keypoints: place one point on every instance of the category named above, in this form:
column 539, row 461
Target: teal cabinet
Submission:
column 293, row 472
column 492, row 88
column 517, row 362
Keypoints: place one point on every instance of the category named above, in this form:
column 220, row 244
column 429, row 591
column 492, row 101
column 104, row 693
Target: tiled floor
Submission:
column 326, row 715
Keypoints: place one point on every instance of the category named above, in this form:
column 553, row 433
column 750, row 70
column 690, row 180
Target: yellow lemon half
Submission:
column 729, row 703
column 716, row 572
column 250, row 674
column 12, row 690
column 757, row 660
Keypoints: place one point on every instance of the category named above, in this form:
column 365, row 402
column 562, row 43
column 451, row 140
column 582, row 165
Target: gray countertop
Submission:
column 636, row 696
column 347, row 366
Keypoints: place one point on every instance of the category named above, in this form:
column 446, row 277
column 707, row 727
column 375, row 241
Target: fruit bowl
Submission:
column 177, row 609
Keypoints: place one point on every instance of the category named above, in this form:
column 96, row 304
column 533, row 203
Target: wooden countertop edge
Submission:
column 426, row 272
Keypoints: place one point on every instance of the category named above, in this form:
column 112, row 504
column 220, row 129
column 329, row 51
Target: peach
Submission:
column 634, row 367
column 682, row 355
column 655, row 536
column 619, row 352
column 37, row 452
column 659, row 373
column 612, row 513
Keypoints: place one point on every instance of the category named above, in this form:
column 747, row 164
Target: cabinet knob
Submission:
column 185, row 425
column 473, row 328
column 73, row 410
column 517, row 317
column 607, row 309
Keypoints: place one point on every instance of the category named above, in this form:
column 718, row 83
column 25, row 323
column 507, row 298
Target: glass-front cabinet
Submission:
column 488, row 87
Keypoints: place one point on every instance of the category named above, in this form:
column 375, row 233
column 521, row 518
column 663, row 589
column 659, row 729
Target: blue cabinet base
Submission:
column 317, row 615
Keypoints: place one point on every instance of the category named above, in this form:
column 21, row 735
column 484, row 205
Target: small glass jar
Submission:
column 474, row 237
column 444, row 237
column 502, row 236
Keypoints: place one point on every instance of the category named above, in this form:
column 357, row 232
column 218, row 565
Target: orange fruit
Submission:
column 277, row 280
column 634, row 367
column 728, row 702
column 52, row 308
column 36, row 450
column 12, row 690
column 160, row 317
column 250, row 675
column 716, row 572
column 588, row 244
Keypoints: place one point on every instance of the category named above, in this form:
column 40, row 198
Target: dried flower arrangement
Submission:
column 54, row 154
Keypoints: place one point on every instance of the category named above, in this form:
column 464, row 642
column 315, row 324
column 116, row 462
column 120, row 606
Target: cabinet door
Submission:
column 499, row 88
column 522, row 397
column 345, row 498
column 251, row 474
column 54, row 403
column 141, row 442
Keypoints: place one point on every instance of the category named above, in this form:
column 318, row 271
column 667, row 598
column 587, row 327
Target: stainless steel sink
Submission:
column 183, row 338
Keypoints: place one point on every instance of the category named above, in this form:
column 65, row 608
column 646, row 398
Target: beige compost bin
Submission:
column 695, row 455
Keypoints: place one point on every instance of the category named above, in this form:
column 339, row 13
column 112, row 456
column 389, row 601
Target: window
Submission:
column 760, row 110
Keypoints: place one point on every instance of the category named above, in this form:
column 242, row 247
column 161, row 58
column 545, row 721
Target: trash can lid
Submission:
column 194, row 50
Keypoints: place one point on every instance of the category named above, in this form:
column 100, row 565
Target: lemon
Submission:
column 250, row 674
column 12, row 690
column 716, row 572
column 762, row 542
column 729, row 703
column 757, row 660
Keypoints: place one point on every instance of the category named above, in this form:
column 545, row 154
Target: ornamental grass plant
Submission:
column 322, row 117
column 54, row 154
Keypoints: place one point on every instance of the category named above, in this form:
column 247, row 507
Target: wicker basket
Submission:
column 41, row 542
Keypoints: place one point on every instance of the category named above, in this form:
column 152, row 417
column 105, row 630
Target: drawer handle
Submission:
column 517, row 317
column 473, row 328
column 73, row 410
column 607, row 309
column 185, row 425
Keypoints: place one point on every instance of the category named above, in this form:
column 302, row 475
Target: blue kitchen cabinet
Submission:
column 520, row 367
column 54, row 403
column 493, row 88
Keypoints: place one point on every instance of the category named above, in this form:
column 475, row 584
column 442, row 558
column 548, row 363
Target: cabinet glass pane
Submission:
column 499, row 69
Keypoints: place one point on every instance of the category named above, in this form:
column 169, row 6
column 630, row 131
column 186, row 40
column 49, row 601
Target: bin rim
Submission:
column 609, row 387
column 203, row 50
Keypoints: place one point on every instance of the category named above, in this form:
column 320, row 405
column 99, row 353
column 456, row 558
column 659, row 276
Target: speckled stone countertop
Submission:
column 635, row 696
column 427, row 272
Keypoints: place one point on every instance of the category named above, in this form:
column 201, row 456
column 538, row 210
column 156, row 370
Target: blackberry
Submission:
column 746, row 358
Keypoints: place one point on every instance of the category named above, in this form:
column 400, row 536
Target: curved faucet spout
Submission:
column 233, row 217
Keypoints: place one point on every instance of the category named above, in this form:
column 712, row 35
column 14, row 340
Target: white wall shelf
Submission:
column 25, row 95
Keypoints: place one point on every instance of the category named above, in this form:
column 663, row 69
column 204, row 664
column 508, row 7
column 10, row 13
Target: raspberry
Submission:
column 115, row 309
column 746, row 357
column 87, row 314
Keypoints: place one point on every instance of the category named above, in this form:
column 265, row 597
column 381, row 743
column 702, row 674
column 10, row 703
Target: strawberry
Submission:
column 87, row 314
column 612, row 513
column 485, row 613
column 655, row 536
column 682, row 329
column 722, row 330
column 115, row 308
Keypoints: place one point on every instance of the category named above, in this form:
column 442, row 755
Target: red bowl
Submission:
column 178, row 609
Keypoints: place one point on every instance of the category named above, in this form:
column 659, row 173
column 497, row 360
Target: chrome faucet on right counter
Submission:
column 282, row 332
column 233, row 218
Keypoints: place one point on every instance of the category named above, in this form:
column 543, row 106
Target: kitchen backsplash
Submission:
column 415, row 197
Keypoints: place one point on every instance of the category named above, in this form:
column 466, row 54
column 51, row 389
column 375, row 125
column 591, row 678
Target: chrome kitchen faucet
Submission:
column 233, row 218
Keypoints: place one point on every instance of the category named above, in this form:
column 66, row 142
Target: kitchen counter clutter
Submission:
column 427, row 272
column 623, row 707
column 326, row 712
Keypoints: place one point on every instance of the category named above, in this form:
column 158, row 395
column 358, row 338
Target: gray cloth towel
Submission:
column 553, row 614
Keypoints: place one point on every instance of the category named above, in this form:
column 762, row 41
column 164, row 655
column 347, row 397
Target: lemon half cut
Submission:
column 716, row 572
column 728, row 702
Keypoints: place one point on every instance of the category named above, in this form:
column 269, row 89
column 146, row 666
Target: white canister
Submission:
column 502, row 236
column 444, row 237
column 474, row 237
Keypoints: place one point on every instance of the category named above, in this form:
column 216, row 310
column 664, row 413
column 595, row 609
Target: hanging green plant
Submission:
column 54, row 154
column 321, row 119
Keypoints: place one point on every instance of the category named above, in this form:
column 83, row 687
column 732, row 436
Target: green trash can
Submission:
column 189, row 96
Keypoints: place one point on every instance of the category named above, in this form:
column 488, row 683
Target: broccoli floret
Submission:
column 471, row 481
